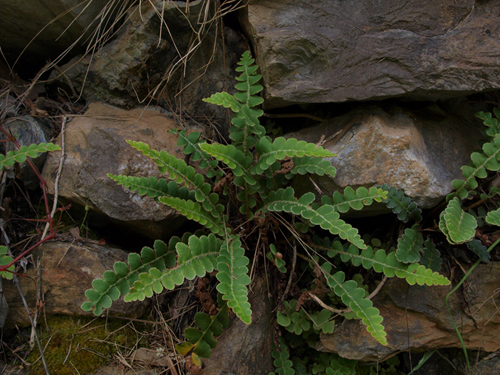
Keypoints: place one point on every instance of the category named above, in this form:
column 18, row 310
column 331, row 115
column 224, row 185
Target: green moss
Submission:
column 84, row 344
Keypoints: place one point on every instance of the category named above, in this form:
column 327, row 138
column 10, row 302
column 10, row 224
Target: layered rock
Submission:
column 95, row 145
column 418, row 151
column 313, row 51
column 416, row 319
column 63, row 272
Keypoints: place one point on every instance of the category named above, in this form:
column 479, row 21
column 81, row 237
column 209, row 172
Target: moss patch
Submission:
column 83, row 344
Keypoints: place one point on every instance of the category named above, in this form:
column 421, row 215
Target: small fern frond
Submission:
column 153, row 187
column 234, row 159
column 191, row 146
column 196, row 258
column 410, row 245
column 325, row 216
column 312, row 165
column 492, row 123
column 354, row 297
column 5, row 259
column 355, row 199
column 118, row 282
column 458, row 226
column 196, row 212
column 401, row 205
column 184, row 174
column 282, row 360
column 232, row 265
column 431, row 258
column 24, row 152
column 480, row 164
column 480, row 250
column 381, row 262
column 225, row 100
column 202, row 340
column 294, row 320
column 247, row 86
column 271, row 151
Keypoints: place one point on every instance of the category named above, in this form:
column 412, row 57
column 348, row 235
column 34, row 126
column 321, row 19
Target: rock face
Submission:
column 21, row 21
column 313, row 51
column 95, row 146
column 67, row 270
column 415, row 318
column 420, row 152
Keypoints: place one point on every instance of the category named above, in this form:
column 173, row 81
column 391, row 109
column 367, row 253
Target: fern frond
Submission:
column 281, row 148
column 492, row 123
column 431, row 258
column 355, row 199
column 458, row 226
column 225, row 100
column 191, row 146
column 247, row 86
column 325, row 216
column 23, row 152
column 410, row 245
column 312, row 165
column 202, row 340
column 401, row 205
column 232, row 265
column 281, row 359
column 197, row 212
column 117, row 283
column 234, row 159
column 480, row 164
column 294, row 321
column 153, row 187
column 196, row 258
column 480, row 250
column 184, row 174
column 354, row 297
column 381, row 262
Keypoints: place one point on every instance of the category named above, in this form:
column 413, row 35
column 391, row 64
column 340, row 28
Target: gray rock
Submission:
column 314, row 51
column 95, row 146
column 67, row 270
column 416, row 319
column 420, row 152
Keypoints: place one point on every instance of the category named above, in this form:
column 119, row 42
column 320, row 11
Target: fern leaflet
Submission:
column 355, row 199
column 24, row 152
column 458, row 226
column 410, row 245
column 318, row 166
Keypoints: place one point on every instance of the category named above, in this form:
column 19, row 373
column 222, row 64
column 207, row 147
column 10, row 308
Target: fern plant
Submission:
column 243, row 195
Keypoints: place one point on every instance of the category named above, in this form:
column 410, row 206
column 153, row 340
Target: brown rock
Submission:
column 95, row 146
column 317, row 51
column 66, row 271
column 416, row 319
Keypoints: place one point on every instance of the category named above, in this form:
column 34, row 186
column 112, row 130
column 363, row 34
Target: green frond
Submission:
column 312, row 165
column 196, row 258
column 225, row 100
column 191, row 146
column 153, row 187
column 234, row 159
column 325, row 216
column 458, row 226
column 5, row 259
column 281, row 148
column 410, row 245
column 247, row 86
column 202, row 340
column 479, row 249
column 294, row 321
column 354, row 297
column 196, row 212
column 355, row 199
column 117, row 283
column 488, row 160
column 381, row 262
column 492, row 123
column 232, row 265
column 20, row 156
column 401, row 205
column 282, row 359
column 431, row 258
column 184, row 174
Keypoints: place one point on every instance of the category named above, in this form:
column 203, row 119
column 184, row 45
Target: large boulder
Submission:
column 63, row 272
column 418, row 151
column 95, row 145
column 416, row 319
column 314, row 51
